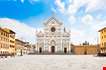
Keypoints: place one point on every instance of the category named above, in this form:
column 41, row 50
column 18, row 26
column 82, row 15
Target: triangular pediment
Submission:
column 53, row 20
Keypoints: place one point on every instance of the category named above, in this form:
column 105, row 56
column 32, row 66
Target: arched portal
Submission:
column 53, row 44
column 52, row 49
column 65, row 50
column 40, row 50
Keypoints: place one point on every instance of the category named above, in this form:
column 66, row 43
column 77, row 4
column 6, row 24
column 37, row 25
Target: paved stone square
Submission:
column 53, row 62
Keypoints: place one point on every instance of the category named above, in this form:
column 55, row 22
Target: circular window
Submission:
column 53, row 29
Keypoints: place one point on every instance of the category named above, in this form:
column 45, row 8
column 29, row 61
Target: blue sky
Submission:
column 83, row 17
column 21, row 10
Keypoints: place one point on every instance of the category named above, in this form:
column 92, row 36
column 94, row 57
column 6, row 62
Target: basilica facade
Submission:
column 55, row 38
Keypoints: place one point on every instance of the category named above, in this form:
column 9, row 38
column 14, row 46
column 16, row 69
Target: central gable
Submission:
column 53, row 21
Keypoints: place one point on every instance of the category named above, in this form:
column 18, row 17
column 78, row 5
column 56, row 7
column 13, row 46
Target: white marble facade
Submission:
column 54, row 38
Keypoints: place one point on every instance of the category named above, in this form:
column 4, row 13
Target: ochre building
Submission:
column 20, row 47
column 84, row 49
column 7, row 42
column 102, row 38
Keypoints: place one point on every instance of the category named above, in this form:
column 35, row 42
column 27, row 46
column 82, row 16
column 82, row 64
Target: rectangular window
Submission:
column 104, row 30
column 104, row 44
column 1, row 33
column 104, row 36
column 11, row 41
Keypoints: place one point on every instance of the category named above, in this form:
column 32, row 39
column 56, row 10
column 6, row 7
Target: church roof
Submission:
column 53, row 18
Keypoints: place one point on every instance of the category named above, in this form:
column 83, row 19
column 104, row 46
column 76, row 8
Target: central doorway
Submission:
column 65, row 50
column 40, row 50
column 53, row 49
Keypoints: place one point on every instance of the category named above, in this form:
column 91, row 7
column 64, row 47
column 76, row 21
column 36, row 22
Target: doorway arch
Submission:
column 40, row 50
column 65, row 50
column 52, row 49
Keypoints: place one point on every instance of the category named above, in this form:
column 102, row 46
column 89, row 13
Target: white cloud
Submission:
column 72, row 19
column 75, row 5
column 22, row 30
column 60, row 5
column 96, row 5
column 99, row 24
column 92, row 25
column 90, row 5
column 95, row 23
column 87, row 19
column 86, row 27
column 78, row 36
column 22, row 1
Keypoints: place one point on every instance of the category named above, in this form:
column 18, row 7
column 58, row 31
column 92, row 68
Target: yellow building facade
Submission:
column 102, row 33
column 85, row 49
column 20, row 47
column 4, row 42
column 7, row 42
